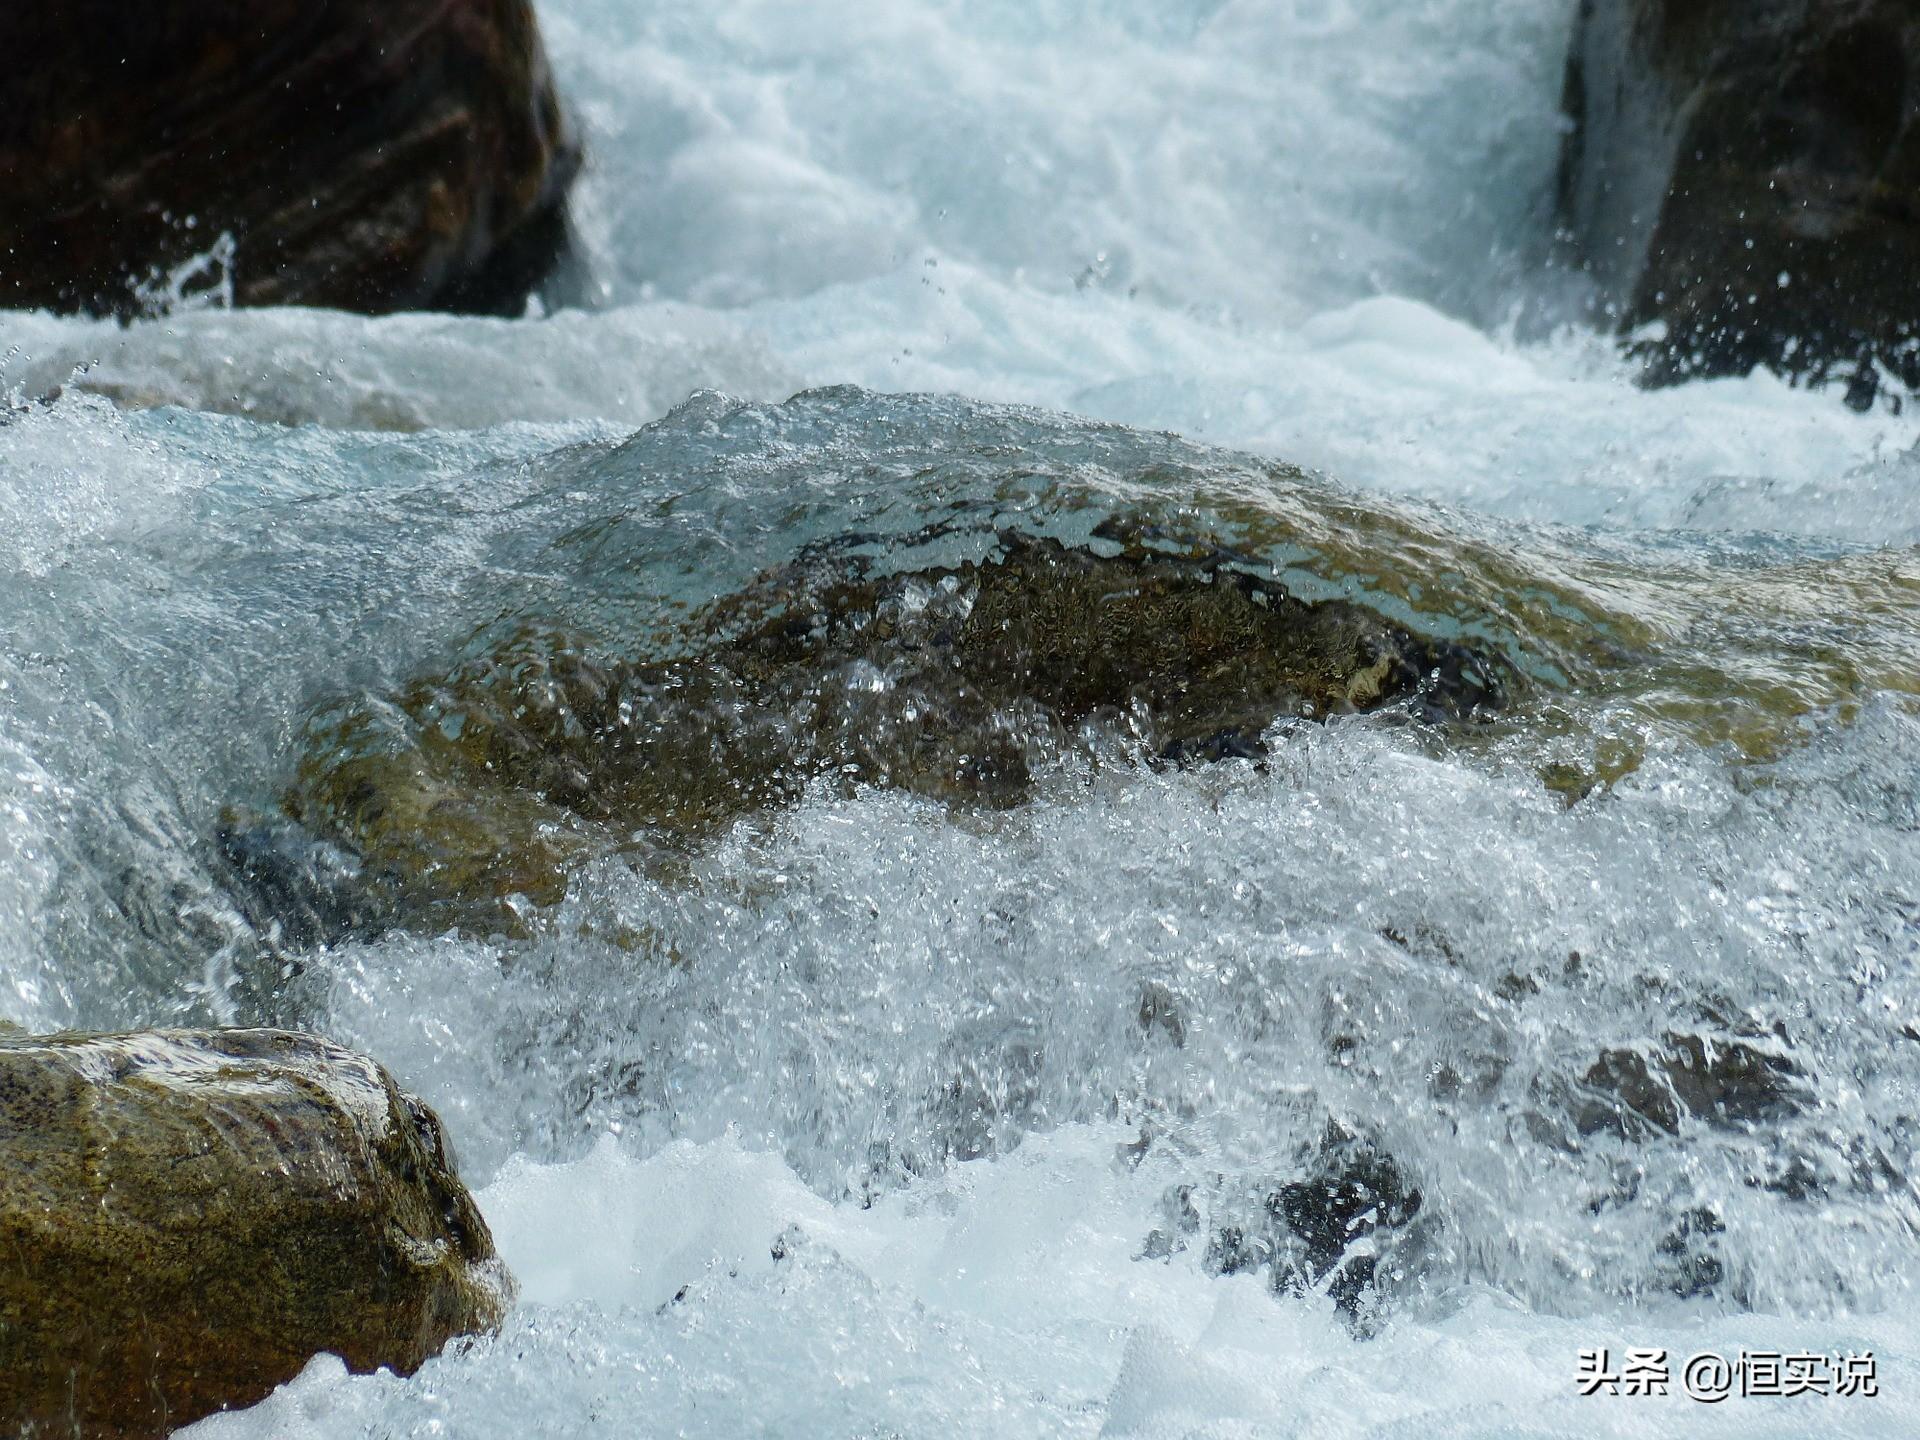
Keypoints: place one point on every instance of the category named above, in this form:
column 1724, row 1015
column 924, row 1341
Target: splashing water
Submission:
column 1346, row 1089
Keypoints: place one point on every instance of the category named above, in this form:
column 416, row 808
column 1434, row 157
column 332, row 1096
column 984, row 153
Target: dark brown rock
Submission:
column 1725, row 1082
column 187, row 1217
column 1748, row 173
column 367, row 156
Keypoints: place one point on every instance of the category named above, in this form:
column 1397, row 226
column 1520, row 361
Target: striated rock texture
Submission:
column 477, row 788
column 366, row 156
column 188, row 1216
column 1748, row 173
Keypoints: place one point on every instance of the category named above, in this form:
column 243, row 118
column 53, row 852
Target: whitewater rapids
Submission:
column 868, row 1159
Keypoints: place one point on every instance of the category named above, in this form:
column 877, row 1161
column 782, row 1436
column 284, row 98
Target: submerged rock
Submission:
column 297, row 891
column 1331, row 1229
column 482, row 788
column 187, row 1217
column 370, row 157
column 1724, row 1082
column 1689, row 1262
column 1747, row 172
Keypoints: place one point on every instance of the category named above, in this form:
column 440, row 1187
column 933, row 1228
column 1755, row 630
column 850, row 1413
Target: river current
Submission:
column 877, row 1115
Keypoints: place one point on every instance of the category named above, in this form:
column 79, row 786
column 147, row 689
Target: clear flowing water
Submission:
column 884, row 1117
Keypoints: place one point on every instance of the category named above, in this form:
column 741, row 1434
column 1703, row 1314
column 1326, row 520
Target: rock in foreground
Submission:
column 1748, row 173
column 374, row 157
column 187, row 1217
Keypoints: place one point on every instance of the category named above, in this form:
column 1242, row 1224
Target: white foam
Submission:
column 1296, row 228
column 1003, row 1300
column 1310, row 228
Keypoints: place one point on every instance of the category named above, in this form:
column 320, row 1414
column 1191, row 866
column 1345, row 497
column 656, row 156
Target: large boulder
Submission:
column 1748, row 173
column 370, row 155
column 471, row 792
column 187, row 1217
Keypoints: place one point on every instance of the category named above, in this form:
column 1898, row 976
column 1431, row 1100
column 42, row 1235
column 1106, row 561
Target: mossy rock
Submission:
column 187, row 1217
column 479, row 789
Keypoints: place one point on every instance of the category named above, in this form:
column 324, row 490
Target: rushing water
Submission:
column 883, row 1116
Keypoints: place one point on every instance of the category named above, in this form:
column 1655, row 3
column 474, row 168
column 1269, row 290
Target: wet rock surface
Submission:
column 369, row 157
column 958, row 683
column 1721, row 1081
column 1331, row 1229
column 189, row 1216
column 1748, row 174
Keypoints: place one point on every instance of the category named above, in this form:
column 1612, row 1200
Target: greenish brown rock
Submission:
column 471, row 791
column 187, row 1217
